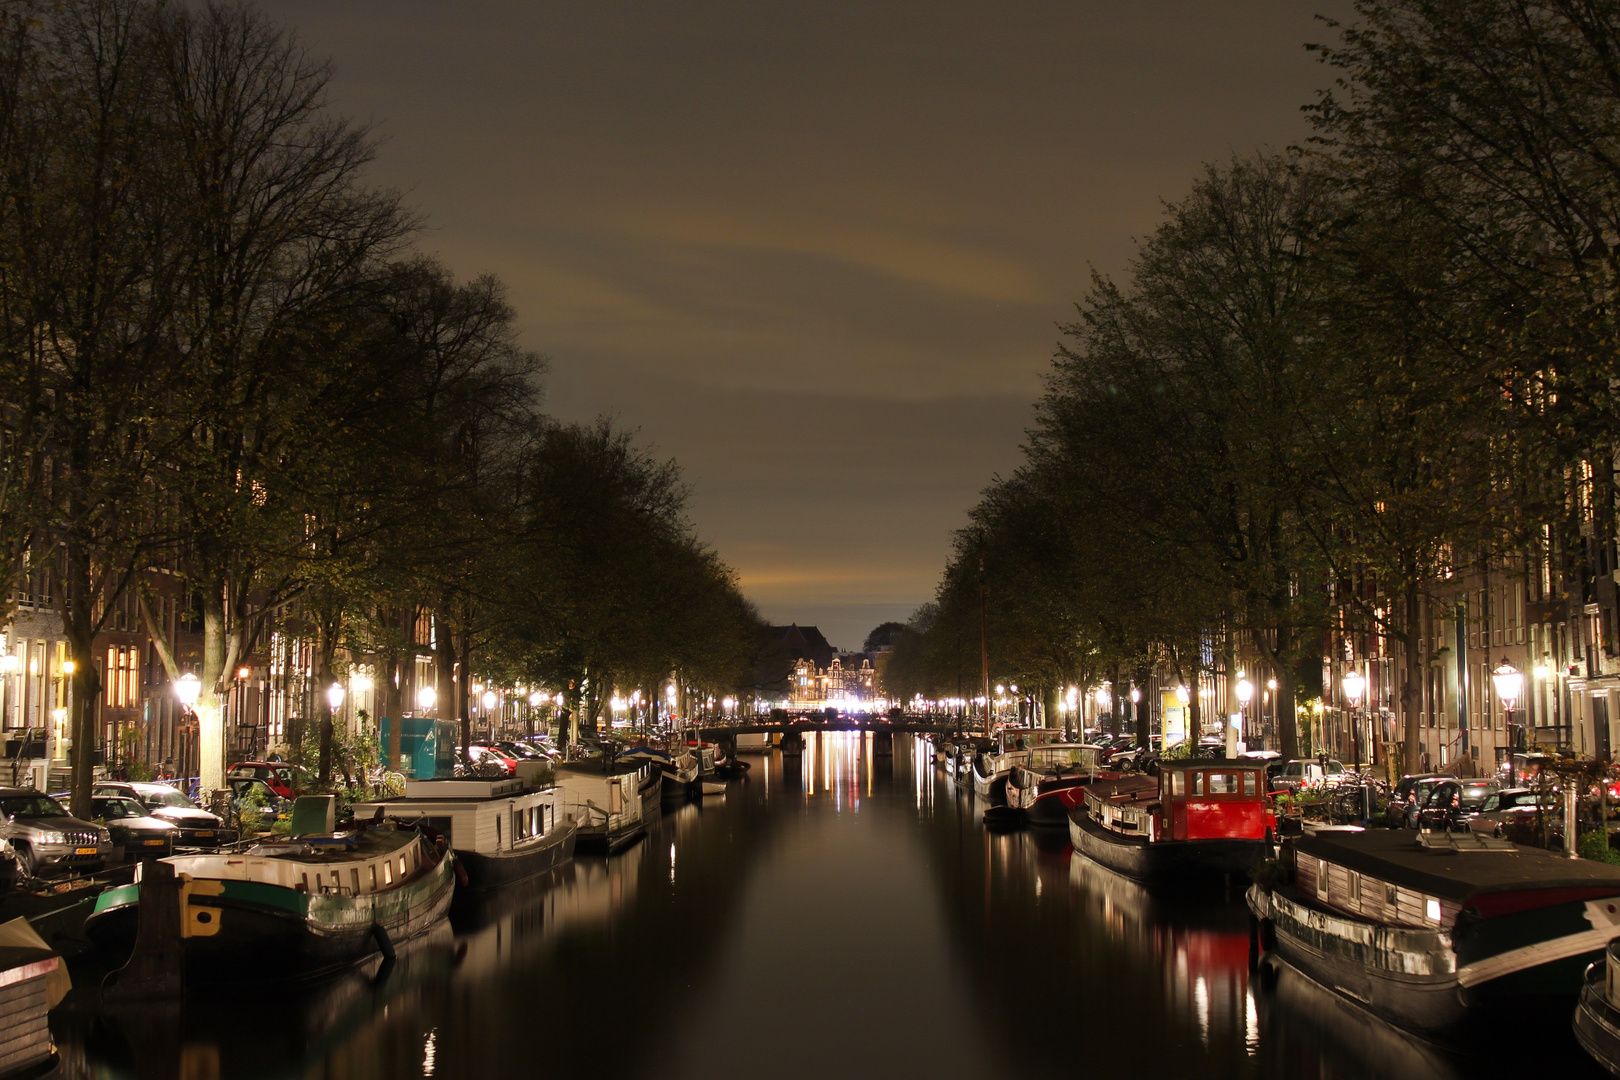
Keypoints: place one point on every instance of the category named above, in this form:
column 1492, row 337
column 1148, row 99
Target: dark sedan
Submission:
column 195, row 826
column 1408, row 795
column 1452, row 804
column 136, row 834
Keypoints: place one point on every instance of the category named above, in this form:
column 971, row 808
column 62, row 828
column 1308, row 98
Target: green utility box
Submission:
column 427, row 747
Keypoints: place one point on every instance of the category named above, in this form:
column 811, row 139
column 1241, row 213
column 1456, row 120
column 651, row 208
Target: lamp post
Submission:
column 1509, row 685
column 1354, row 684
column 1245, row 694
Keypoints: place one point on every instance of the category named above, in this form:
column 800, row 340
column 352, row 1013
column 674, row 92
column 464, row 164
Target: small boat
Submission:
column 304, row 907
column 650, row 784
column 1011, row 747
column 1438, row 932
column 1034, row 791
column 605, row 802
column 710, row 786
column 502, row 832
column 1199, row 819
column 678, row 771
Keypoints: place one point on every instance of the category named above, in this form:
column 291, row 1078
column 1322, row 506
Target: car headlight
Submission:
column 103, row 836
column 46, row 837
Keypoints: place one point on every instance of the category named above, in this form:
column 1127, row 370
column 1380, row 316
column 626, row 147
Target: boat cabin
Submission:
column 1214, row 800
column 485, row 816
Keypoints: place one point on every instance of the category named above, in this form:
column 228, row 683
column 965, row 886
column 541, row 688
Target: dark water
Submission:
column 839, row 915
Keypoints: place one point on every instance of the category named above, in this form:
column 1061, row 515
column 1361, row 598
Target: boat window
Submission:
column 388, row 873
column 1251, row 783
column 1321, row 879
column 354, row 879
column 373, row 879
column 402, row 866
column 1221, row 783
column 1392, row 895
column 304, row 883
column 497, row 833
column 1353, row 887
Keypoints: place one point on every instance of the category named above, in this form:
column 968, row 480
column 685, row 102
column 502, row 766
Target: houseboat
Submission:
column 1009, row 749
column 1197, row 820
column 502, row 832
column 299, row 908
column 1434, row 932
column 605, row 801
column 1035, row 791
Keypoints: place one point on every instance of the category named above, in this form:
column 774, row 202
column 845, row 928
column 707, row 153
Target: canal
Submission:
column 840, row 914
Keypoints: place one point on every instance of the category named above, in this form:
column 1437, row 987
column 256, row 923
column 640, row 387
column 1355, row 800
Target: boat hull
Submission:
column 1597, row 1024
column 600, row 840
column 489, row 872
column 1415, row 978
column 270, row 929
column 1165, row 860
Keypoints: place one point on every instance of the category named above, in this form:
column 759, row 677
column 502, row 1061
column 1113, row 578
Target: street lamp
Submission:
column 1245, row 694
column 187, row 688
column 1354, row 684
column 334, row 696
column 1509, row 685
column 426, row 697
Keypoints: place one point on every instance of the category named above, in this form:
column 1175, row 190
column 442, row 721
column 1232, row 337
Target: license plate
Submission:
column 153, row 843
column 84, row 851
column 203, row 832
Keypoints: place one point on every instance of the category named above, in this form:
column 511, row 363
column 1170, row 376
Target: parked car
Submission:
column 1299, row 773
column 523, row 751
column 1408, row 792
column 47, row 838
column 484, row 752
column 136, row 834
column 1510, row 811
column 1451, row 804
column 474, row 765
column 196, row 827
column 250, row 793
column 284, row 779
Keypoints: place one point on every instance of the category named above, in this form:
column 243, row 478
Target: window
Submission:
column 1321, row 878
column 1431, row 910
column 373, row 879
column 1251, row 783
column 388, row 873
column 1178, row 783
column 354, row 879
column 1221, row 783
column 1352, row 887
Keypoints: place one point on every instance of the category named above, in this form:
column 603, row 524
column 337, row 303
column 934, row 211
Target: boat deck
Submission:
column 1455, row 874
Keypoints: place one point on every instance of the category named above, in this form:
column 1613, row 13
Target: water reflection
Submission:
column 838, row 912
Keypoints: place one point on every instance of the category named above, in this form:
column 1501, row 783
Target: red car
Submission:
column 480, row 754
column 283, row 779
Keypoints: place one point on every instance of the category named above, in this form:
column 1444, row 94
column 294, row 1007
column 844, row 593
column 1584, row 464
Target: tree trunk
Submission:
column 210, row 700
column 1114, row 704
column 1143, row 709
column 464, row 689
column 444, row 663
column 1411, row 689
column 78, row 625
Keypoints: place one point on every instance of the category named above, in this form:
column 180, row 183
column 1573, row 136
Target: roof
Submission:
column 804, row 643
column 1395, row 856
column 1214, row 763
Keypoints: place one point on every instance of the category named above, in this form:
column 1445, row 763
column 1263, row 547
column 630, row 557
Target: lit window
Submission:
column 1431, row 910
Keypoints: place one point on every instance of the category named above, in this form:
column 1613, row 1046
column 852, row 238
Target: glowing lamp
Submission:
column 490, row 699
column 1245, row 691
column 334, row 696
column 1509, row 684
column 187, row 688
column 1354, row 683
column 426, row 697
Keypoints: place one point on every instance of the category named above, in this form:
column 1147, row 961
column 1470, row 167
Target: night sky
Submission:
column 814, row 251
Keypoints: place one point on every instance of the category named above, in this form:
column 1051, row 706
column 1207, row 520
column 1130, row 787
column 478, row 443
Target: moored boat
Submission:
column 502, row 832
column 993, row 763
column 1199, row 819
column 299, row 908
column 1037, row 787
column 605, row 802
column 1436, row 933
